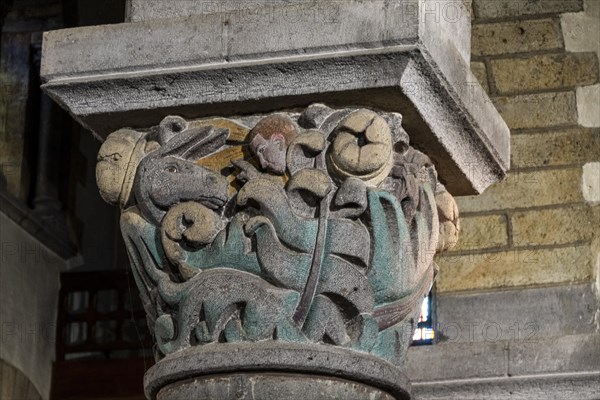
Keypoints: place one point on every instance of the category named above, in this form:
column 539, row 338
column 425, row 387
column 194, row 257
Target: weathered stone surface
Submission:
column 539, row 369
column 555, row 226
column 524, row 339
column 115, row 169
column 481, row 232
column 261, row 67
column 580, row 30
column 564, row 354
column 371, row 162
column 562, row 147
column 277, row 357
column 492, row 9
column 306, row 247
column 538, row 110
column 515, row 358
column 540, row 188
column 270, row 386
column 226, row 38
column 480, row 72
column 516, row 37
column 446, row 361
column 514, row 268
column 317, row 234
column 449, row 221
column 144, row 10
column 587, row 98
column 453, row 16
column 592, row 8
column 582, row 386
column 590, row 184
column 539, row 72
column 516, row 315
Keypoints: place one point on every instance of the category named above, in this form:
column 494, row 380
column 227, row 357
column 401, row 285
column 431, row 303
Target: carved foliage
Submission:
column 317, row 228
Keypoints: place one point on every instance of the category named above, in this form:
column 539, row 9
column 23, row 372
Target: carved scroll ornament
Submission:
column 316, row 228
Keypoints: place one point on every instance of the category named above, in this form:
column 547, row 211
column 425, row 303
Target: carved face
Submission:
column 271, row 152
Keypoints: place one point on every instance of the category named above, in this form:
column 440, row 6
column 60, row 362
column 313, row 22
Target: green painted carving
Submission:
column 312, row 228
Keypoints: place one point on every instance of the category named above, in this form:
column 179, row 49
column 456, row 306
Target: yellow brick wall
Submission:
column 538, row 227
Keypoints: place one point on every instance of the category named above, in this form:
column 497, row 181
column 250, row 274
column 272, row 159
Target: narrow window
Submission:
column 424, row 334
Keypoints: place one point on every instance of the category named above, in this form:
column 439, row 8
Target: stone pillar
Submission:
column 283, row 248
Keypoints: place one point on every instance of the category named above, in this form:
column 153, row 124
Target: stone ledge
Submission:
column 581, row 386
column 508, row 354
column 501, row 359
column 373, row 55
column 524, row 315
column 443, row 361
column 274, row 356
column 573, row 353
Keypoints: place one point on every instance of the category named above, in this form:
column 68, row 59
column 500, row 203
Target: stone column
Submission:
column 283, row 248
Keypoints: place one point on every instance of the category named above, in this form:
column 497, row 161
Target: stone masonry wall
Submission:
column 538, row 61
column 517, row 300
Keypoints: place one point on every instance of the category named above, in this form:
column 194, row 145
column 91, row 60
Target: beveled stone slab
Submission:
column 272, row 356
column 452, row 14
column 581, row 386
column 478, row 362
column 270, row 386
column 518, row 315
column 409, row 56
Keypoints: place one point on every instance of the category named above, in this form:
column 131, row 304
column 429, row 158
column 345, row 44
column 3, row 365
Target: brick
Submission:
column 512, row 268
column 592, row 8
column 590, row 184
column 481, row 232
column 580, row 31
column 549, row 71
column 555, row 226
column 527, row 189
column 588, row 98
column 565, row 147
column 538, row 110
column 516, row 37
column 492, row 9
column 480, row 72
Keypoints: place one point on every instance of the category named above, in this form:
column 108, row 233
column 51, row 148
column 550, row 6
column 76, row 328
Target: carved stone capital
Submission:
column 278, row 246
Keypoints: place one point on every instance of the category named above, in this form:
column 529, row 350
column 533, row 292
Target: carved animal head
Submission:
column 169, row 175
